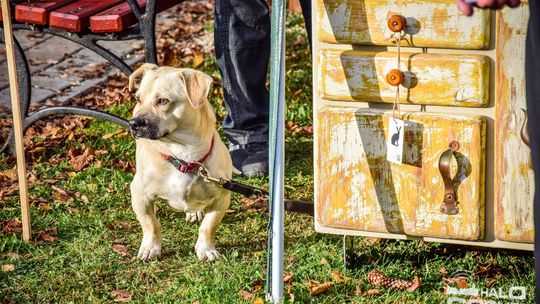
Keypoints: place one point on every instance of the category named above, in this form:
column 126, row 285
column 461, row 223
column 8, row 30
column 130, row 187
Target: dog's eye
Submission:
column 162, row 101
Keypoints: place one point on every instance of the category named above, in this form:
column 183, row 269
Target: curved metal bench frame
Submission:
column 145, row 29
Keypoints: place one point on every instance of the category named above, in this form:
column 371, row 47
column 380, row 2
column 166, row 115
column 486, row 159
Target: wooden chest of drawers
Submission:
column 463, row 83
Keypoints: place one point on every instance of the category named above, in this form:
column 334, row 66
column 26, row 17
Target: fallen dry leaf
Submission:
column 338, row 277
column 121, row 296
column 324, row 261
column 287, row 277
column 246, row 295
column 121, row 249
column 443, row 271
column 10, row 226
column 415, row 284
column 79, row 161
column 460, row 281
column 8, row 175
column 490, row 283
column 8, row 268
column 316, row 288
column 258, row 301
column 371, row 292
column 47, row 235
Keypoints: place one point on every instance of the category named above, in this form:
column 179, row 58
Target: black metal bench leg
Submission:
column 350, row 257
column 147, row 25
column 25, row 89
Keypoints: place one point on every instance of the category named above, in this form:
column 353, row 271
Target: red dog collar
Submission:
column 184, row 166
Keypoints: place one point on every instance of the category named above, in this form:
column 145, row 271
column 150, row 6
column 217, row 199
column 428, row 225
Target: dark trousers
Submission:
column 242, row 42
column 532, row 69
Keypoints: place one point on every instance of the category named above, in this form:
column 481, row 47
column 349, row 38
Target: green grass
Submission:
column 81, row 266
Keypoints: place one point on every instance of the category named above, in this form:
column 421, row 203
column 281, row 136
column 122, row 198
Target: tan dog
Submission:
column 173, row 119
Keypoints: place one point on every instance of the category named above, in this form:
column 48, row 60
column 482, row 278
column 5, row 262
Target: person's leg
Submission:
column 306, row 11
column 532, row 68
column 242, row 41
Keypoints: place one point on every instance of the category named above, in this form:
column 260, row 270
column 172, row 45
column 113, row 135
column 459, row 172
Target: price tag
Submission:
column 394, row 143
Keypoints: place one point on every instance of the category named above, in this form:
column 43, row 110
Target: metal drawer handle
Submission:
column 396, row 23
column 449, row 204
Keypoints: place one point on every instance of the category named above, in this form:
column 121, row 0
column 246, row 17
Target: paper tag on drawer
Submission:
column 394, row 143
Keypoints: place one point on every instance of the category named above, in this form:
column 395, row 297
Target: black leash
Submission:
column 296, row 206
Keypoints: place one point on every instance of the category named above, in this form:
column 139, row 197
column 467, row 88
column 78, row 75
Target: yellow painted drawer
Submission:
column 514, row 176
column 435, row 79
column 357, row 188
column 430, row 23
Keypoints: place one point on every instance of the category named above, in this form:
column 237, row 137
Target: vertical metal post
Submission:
column 277, row 151
column 17, row 119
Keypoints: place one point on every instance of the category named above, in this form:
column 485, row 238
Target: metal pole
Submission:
column 17, row 119
column 277, row 150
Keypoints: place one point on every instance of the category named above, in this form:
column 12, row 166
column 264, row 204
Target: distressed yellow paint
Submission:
column 435, row 79
column 433, row 23
column 359, row 189
column 514, row 177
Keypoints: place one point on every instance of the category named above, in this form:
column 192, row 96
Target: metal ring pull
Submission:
column 449, row 204
column 396, row 23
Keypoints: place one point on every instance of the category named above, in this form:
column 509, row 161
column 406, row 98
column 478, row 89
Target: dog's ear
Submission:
column 198, row 86
column 140, row 71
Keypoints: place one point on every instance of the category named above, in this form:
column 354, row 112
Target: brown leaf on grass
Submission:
column 490, row 283
column 47, row 235
column 316, row 288
column 246, row 295
column 85, row 199
column 287, row 277
column 338, row 277
column 291, row 294
column 79, row 161
column 371, row 292
column 358, row 290
column 121, row 249
column 461, row 282
column 8, row 175
column 12, row 225
column 324, row 261
column 9, row 190
column 8, row 268
column 443, row 271
column 198, row 59
column 415, row 284
column 257, row 203
column 122, row 296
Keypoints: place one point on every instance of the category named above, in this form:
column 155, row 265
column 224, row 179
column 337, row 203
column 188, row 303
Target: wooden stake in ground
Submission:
column 17, row 119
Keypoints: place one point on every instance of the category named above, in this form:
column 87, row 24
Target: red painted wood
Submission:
column 75, row 17
column 115, row 19
column 37, row 11
column 121, row 17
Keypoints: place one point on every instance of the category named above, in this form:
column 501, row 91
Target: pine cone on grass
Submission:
column 376, row 278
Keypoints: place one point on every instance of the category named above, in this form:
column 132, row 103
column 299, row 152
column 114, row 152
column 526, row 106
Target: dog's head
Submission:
column 168, row 99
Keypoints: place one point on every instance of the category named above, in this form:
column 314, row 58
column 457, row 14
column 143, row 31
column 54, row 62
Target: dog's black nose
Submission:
column 137, row 123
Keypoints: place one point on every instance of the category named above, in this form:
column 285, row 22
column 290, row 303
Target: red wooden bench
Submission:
column 84, row 22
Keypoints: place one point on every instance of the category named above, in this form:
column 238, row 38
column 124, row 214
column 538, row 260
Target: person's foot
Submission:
column 251, row 159
column 256, row 164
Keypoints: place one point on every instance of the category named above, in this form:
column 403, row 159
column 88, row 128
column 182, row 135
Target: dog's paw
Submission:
column 149, row 250
column 194, row 217
column 205, row 252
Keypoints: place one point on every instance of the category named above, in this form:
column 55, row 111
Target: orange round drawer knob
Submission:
column 394, row 77
column 396, row 23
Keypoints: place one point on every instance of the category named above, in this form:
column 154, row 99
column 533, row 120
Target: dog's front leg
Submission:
column 143, row 206
column 205, row 246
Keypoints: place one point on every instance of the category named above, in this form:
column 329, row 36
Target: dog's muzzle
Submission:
column 143, row 127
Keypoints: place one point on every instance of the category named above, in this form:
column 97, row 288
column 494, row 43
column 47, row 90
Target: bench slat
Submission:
column 75, row 17
column 115, row 19
column 37, row 12
column 121, row 17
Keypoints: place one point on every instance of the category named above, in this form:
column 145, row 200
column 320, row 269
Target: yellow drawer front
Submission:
column 430, row 23
column 357, row 188
column 435, row 79
column 514, row 176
